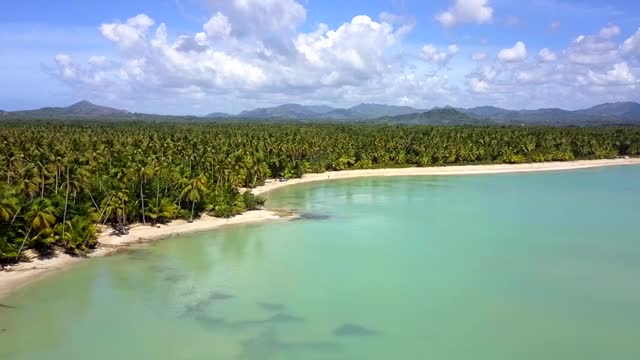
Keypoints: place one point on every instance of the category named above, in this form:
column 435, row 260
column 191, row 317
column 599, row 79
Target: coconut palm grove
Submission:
column 60, row 181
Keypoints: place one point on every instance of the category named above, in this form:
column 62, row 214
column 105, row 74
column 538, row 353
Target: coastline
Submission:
column 108, row 243
column 449, row 171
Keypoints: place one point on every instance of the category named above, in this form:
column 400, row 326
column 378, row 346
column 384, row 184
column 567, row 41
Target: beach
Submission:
column 109, row 243
column 449, row 170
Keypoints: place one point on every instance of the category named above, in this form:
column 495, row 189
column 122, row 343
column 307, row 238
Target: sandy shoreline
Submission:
column 25, row 273
column 449, row 170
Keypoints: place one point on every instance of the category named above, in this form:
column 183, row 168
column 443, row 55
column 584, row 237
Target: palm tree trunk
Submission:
column 193, row 205
column 15, row 215
column 22, row 245
column 57, row 176
column 42, row 190
column 144, row 220
column 66, row 203
column 93, row 200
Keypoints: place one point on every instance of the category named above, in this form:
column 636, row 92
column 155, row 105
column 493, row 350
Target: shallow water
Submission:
column 519, row 266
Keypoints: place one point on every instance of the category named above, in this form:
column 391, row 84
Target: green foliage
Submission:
column 58, row 180
column 252, row 202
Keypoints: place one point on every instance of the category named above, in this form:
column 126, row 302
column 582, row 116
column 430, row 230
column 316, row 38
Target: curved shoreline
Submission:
column 449, row 171
column 25, row 273
column 108, row 243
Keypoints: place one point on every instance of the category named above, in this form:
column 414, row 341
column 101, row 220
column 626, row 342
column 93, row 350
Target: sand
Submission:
column 109, row 243
column 448, row 170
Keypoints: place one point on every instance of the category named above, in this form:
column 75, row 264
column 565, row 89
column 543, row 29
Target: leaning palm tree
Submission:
column 195, row 191
column 39, row 217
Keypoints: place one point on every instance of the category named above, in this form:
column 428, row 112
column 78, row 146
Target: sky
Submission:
column 203, row 56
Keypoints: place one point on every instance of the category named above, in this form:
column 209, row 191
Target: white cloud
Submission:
column 430, row 53
column 546, row 55
column 609, row 32
column 593, row 49
column 234, row 63
column 632, row 44
column 479, row 56
column 592, row 69
column 97, row 60
column 466, row 11
column 356, row 54
column 478, row 85
column 621, row 74
column 218, row 26
column 130, row 33
column 515, row 54
column 263, row 24
column 351, row 53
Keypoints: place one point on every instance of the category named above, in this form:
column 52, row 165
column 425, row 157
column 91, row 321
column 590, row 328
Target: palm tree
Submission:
column 79, row 231
column 143, row 172
column 195, row 191
column 39, row 217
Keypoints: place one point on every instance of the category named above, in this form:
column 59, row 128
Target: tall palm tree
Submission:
column 144, row 172
column 195, row 191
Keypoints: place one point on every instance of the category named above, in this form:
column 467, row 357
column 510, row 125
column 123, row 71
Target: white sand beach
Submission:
column 449, row 170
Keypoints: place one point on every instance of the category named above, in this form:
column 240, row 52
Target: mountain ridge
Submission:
column 608, row 113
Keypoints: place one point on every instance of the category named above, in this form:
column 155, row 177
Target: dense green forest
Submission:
column 59, row 181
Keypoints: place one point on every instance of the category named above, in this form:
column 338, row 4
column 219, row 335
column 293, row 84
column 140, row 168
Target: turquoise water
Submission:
column 518, row 266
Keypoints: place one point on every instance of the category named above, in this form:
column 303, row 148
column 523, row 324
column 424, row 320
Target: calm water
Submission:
column 536, row 266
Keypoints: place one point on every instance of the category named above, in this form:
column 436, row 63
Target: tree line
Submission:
column 59, row 182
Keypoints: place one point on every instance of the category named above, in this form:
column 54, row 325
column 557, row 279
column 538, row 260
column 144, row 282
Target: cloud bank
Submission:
column 252, row 52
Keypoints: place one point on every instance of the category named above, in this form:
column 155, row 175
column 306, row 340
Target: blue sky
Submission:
column 200, row 56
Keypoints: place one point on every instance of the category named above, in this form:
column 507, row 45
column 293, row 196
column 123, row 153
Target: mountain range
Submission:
column 622, row 113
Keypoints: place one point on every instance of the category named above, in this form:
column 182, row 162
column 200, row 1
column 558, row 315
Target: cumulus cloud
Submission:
column 546, row 55
column 128, row 34
column 515, row 54
column 239, row 60
column 478, row 85
column 357, row 53
column 466, row 11
column 592, row 69
column 430, row 53
column 632, row 44
column 264, row 24
column 621, row 74
column 609, row 32
column 596, row 49
column 218, row 26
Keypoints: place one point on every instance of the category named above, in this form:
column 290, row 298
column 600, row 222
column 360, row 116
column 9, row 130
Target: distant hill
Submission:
column 216, row 115
column 343, row 114
column 489, row 111
column 627, row 110
column 622, row 113
column 379, row 110
column 441, row 116
column 82, row 109
column 616, row 113
column 287, row 111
